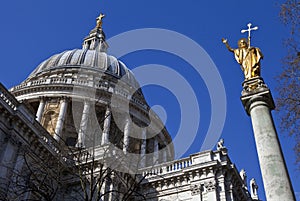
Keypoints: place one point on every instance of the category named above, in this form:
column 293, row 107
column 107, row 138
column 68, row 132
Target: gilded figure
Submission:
column 248, row 57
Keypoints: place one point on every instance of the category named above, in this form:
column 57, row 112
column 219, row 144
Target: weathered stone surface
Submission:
column 258, row 103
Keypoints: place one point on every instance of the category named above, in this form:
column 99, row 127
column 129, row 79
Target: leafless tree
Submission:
column 288, row 101
column 93, row 178
column 34, row 177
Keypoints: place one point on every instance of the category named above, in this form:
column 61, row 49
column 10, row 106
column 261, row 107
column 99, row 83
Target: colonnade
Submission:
column 157, row 156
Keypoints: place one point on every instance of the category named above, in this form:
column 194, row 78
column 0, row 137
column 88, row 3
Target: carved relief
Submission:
column 210, row 186
column 196, row 189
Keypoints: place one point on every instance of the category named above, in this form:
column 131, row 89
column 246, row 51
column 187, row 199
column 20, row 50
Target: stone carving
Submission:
column 196, row 189
column 253, row 85
column 253, row 189
column 221, row 147
column 244, row 178
column 210, row 186
column 220, row 144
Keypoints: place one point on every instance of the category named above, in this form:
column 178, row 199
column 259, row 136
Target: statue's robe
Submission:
column 249, row 59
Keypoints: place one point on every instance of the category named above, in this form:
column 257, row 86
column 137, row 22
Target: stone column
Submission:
column 106, row 126
column 258, row 102
column 143, row 147
column 221, row 187
column 83, row 124
column 126, row 134
column 164, row 155
column 155, row 152
column 112, row 194
column 40, row 110
column 61, row 119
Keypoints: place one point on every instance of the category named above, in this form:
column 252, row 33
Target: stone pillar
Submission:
column 155, row 152
column 221, row 187
column 165, row 155
column 40, row 110
column 143, row 147
column 106, row 187
column 112, row 194
column 106, row 126
column 61, row 119
column 126, row 134
column 258, row 102
column 83, row 125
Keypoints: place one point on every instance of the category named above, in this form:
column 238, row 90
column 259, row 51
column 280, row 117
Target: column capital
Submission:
column 42, row 98
column 64, row 99
column 255, row 90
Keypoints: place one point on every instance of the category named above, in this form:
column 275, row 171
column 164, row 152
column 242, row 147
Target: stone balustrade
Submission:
column 202, row 158
column 164, row 168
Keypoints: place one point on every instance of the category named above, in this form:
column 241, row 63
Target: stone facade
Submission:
column 20, row 135
column 208, row 175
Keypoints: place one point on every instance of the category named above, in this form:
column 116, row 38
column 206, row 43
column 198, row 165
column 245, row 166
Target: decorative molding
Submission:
column 210, row 185
column 196, row 189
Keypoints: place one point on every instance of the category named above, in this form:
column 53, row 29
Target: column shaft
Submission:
column 60, row 120
column 155, row 152
column 106, row 127
column 126, row 135
column 143, row 147
column 83, row 125
column 274, row 172
column 40, row 110
column 111, row 195
column 164, row 156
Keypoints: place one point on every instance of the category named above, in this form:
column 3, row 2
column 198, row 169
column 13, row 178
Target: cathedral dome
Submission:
column 86, row 98
column 88, row 59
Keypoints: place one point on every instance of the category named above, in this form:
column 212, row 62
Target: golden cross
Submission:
column 99, row 20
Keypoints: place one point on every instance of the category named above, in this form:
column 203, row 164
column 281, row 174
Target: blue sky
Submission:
column 32, row 31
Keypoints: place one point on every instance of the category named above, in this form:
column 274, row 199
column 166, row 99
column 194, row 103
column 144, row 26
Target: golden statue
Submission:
column 248, row 57
column 99, row 20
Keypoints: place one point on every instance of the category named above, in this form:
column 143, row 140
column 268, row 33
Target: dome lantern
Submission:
column 96, row 38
